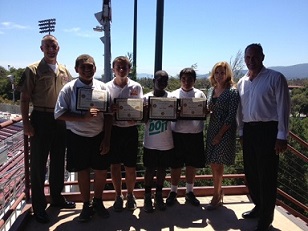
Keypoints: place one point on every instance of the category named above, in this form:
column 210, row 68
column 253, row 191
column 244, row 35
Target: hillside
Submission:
column 298, row 71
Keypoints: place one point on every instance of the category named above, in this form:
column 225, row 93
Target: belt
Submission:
column 43, row 109
column 260, row 123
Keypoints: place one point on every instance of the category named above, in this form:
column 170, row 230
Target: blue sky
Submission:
column 196, row 31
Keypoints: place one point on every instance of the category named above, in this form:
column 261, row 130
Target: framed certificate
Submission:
column 87, row 98
column 193, row 108
column 162, row 108
column 129, row 109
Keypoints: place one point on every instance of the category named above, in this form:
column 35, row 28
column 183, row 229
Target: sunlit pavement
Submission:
column 181, row 216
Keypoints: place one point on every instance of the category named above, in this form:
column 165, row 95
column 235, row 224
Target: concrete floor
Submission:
column 178, row 217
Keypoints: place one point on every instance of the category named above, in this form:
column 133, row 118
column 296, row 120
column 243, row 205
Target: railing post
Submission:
column 26, row 164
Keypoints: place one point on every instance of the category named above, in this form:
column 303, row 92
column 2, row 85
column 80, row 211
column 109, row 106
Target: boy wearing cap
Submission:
column 88, row 137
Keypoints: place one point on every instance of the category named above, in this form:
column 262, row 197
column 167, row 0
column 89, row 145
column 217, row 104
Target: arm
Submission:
column 71, row 116
column 283, row 111
column 231, row 117
column 105, row 145
column 24, row 108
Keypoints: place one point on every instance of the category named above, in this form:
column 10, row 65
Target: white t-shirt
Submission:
column 131, row 90
column 67, row 101
column 158, row 133
column 188, row 126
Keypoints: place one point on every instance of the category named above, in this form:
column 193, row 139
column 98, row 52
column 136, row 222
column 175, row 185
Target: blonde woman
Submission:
column 223, row 100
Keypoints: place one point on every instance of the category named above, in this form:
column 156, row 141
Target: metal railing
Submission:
column 16, row 193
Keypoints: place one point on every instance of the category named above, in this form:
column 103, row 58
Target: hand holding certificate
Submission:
column 129, row 109
column 87, row 98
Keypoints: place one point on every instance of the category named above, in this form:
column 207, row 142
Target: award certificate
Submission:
column 129, row 109
column 193, row 108
column 87, row 98
column 162, row 108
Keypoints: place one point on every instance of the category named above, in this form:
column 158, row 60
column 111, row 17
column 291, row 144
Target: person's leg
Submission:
column 84, row 184
column 148, row 179
column 116, row 178
column 268, row 170
column 190, row 180
column 160, row 176
column 148, row 184
column 99, row 185
column 217, row 170
column 39, row 147
column 57, row 158
column 175, row 176
column 250, row 142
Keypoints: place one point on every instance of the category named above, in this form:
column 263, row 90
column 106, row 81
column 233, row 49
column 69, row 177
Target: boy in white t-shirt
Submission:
column 88, row 137
column 188, row 142
column 124, row 135
column 157, row 148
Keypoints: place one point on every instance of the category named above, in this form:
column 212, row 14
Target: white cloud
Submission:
column 12, row 25
column 77, row 31
column 72, row 30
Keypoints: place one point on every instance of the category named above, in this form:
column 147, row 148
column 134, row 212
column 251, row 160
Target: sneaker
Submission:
column 118, row 204
column 131, row 202
column 99, row 208
column 171, row 199
column 159, row 202
column 191, row 198
column 148, row 205
column 86, row 213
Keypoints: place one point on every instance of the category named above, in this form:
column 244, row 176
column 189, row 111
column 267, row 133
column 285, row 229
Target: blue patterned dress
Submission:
column 223, row 111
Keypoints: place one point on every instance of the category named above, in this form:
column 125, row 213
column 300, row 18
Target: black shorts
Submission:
column 153, row 158
column 189, row 150
column 124, row 146
column 83, row 152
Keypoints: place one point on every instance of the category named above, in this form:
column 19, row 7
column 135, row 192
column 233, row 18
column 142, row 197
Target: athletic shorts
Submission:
column 188, row 150
column 83, row 153
column 124, row 146
column 153, row 158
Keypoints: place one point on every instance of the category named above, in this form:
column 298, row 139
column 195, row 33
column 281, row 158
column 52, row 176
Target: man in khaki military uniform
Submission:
column 40, row 84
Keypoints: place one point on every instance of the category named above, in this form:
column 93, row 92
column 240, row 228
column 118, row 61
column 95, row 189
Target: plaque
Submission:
column 88, row 98
column 129, row 109
column 193, row 108
column 162, row 108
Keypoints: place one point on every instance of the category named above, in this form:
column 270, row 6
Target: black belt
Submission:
column 260, row 123
column 43, row 109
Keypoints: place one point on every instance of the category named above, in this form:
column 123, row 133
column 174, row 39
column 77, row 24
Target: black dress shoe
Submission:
column 42, row 217
column 64, row 205
column 254, row 213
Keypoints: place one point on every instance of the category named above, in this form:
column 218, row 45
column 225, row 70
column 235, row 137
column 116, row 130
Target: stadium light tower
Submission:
column 47, row 26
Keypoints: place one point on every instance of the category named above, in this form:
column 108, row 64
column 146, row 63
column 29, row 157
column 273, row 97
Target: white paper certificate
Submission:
column 129, row 109
column 87, row 98
column 162, row 108
column 193, row 108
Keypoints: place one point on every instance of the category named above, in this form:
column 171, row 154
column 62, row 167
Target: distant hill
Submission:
column 298, row 71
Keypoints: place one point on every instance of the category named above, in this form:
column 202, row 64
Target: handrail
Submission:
column 298, row 139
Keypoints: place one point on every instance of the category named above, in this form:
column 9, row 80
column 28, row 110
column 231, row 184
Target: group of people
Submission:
column 94, row 140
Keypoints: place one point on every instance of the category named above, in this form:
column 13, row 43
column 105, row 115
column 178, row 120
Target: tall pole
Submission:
column 159, row 35
column 107, row 43
column 135, row 41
